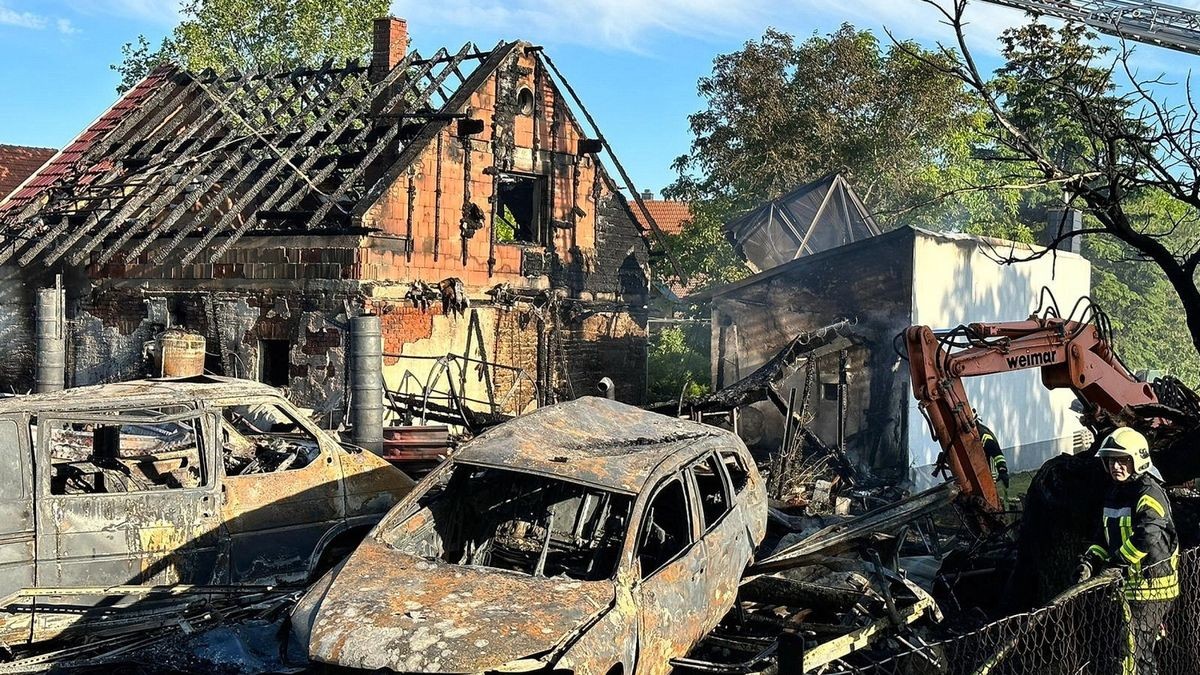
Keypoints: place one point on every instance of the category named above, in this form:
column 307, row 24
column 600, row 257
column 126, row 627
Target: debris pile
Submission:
column 214, row 629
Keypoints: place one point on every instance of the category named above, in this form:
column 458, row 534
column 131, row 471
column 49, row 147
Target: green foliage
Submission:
column 505, row 225
column 678, row 362
column 1049, row 78
column 264, row 35
column 703, row 251
column 1146, row 312
column 780, row 113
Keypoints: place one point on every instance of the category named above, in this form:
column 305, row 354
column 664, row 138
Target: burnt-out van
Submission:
column 202, row 481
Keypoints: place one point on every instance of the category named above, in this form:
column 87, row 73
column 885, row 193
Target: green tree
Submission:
column 264, row 35
column 1123, row 149
column 1050, row 76
column 779, row 113
column 677, row 364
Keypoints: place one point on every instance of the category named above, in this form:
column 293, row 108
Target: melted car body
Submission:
column 168, row 483
column 586, row 537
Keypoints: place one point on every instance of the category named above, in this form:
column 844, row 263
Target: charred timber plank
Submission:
column 801, row 593
column 380, row 145
column 838, row 648
column 842, row 536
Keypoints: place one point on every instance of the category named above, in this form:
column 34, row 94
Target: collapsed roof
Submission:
column 186, row 162
column 814, row 217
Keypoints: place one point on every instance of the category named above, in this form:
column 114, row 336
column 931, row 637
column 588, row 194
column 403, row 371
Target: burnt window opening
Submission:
column 519, row 522
column 667, row 530
column 264, row 438
column 738, row 475
column 525, row 101
column 274, row 362
column 520, row 209
column 126, row 455
column 829, row 391
column 714, row 494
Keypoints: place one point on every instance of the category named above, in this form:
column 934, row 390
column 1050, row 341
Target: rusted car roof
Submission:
column 164, row 391
column 594, row 441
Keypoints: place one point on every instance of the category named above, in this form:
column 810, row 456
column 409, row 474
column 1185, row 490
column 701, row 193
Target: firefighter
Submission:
column 995, row 456
column 1138, row 536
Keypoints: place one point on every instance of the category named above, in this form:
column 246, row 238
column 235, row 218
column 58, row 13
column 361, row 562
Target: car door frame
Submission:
column 728, row 534
column 175, row 529
column 18, row 521
column 259, row 530
column 687, row 562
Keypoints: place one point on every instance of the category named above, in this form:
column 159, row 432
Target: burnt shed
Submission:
column 835, row 315
column 454, row 194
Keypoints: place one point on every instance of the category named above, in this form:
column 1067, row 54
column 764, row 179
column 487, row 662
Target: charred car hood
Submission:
column 387, row 609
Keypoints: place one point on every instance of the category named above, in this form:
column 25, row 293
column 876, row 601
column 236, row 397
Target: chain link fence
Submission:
column 1087, row 629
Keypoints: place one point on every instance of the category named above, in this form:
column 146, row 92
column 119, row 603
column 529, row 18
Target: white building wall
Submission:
column 956, row 281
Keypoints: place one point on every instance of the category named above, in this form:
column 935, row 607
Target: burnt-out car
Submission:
column 174, row 482
column 587, row 537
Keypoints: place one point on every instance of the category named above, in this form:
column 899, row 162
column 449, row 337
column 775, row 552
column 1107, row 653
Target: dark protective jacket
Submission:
column 991, row 448
column 1138, row 532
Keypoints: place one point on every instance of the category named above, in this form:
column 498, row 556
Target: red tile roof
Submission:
column 17, row 162
column 670, row 216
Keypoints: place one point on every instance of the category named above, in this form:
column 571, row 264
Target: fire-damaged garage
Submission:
column 455, row 195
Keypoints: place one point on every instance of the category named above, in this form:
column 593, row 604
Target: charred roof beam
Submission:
column 193, row 168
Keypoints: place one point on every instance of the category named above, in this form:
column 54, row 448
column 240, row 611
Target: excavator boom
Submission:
column 1070, row 355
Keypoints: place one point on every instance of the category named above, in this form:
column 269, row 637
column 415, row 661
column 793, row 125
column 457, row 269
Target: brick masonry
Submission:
column 303, row 288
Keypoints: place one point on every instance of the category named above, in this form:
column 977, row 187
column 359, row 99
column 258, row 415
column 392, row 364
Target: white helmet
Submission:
column 1126, row 442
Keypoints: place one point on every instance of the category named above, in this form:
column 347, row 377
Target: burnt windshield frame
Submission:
column 512, row 520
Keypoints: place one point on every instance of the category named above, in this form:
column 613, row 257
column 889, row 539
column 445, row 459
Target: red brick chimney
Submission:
column 391, row 44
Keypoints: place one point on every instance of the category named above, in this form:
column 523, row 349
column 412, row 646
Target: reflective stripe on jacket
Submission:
column 991, row 448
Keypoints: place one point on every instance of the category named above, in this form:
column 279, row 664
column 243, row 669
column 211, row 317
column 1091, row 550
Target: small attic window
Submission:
column 525, row 101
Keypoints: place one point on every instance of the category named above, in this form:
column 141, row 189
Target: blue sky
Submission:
column 635, row 63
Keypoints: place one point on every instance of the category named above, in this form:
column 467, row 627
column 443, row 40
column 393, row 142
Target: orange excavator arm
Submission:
column 1070, row 355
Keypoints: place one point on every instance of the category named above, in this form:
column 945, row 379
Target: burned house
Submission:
column 835, row 315
column 455, row 195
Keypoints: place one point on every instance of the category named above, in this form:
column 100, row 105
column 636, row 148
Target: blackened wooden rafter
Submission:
column 183, row 175
column 204, row 155
column 377, row 149
column 252, row 159
column 164, row 172
column 10, row 236
column 300, row 173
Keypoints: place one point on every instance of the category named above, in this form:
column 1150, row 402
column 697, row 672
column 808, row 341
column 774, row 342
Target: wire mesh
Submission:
column 1094, row 630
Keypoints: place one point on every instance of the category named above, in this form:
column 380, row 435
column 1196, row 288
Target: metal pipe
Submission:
column 366, row 382
column 607, row 387
column 51, row 362
column 841, row 395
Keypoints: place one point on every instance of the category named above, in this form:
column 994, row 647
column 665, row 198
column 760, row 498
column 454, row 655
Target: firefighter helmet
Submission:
column 1126, row 442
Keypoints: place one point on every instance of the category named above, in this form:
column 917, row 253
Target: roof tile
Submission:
column 18, row 162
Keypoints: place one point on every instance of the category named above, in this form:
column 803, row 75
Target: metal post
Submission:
column 841, row 393
column 51, row 368
column 366, row 382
